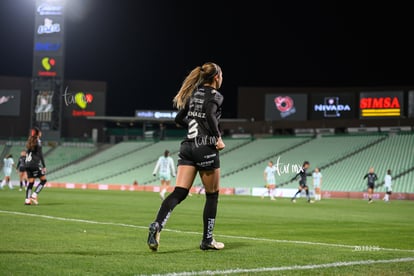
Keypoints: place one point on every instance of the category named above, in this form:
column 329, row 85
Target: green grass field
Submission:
column 85, row 232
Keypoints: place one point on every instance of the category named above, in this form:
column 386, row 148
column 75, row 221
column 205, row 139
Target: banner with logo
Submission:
column 83, row 104
column 48, row 48
column 10, row 102
column 384, row 104
column 286, row 107
column 332, row 106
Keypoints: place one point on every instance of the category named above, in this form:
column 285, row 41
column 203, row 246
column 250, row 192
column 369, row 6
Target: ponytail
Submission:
column 198, row 76
column 189, row 85
column 33, row 138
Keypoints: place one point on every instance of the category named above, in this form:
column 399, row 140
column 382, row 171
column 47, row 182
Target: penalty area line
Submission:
column 286, row 268
column 355, row 247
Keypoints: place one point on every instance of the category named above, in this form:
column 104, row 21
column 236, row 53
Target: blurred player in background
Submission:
column 22, row 170
column 302, row 182
column 35, row 166
column 165, row 168
column 269, row 177
column 7, row 170
column 388, row 186
column 199, row 104
column 317, row 183
column 372, row 177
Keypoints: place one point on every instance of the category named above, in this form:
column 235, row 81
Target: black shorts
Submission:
column 371, row 186
column 203, row 157
column 22, row 169
column 303, row 185
column 34, row 172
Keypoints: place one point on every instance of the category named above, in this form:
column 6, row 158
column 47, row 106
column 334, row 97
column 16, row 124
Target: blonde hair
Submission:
column 198, row 76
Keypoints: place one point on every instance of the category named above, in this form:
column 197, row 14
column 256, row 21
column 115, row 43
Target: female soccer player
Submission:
column 302, row 182
column 199, row 105
column 35, row 165
column 7, row 170
column 22, row 170
column 165, row 167
column 317, row 182
column 269, row 176
column 388, row 186
column 372, row 177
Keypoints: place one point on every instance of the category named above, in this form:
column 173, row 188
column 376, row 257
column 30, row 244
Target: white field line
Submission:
column 285, row 268
column 355, row 247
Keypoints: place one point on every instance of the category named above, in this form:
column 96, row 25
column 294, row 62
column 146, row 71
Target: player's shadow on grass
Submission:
column 52, row 204
column 228, row 247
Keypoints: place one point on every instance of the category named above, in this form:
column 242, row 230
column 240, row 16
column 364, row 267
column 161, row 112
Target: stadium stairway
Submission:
column 134, row 168
column 103, row 156
column 72, row 156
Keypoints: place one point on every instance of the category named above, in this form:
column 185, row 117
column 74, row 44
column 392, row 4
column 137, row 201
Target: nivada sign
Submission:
column 331, row 106
column 381, row 104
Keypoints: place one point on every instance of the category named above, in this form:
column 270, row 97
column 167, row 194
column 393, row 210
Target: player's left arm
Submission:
column 181, row 117
column 40, row 153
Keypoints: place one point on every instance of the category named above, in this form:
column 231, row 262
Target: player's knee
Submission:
column 43, row 182
column 179, row 194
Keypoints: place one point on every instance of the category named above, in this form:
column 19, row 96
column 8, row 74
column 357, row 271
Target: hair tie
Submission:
column 33, row 132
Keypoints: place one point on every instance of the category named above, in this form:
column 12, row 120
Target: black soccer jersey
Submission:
column 202, row 114
column 21, row 163
column 302, row 174
column 34, row 157
column 372, row 177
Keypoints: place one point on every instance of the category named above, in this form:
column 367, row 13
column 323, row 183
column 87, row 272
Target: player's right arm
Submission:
column 296, row 176
column 154, row 172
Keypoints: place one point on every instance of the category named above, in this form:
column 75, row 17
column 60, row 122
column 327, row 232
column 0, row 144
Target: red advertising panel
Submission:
column 384, row 104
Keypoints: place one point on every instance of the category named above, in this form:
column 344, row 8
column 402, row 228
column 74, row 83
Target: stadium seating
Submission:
column 395, row 152
column 344, row 160
column 141, row 170
column 319, row 152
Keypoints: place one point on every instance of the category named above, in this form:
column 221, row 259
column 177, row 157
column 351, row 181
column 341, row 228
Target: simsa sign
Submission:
column 381, row 104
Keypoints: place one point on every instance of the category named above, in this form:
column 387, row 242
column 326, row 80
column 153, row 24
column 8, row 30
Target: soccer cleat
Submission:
column 311, row 201
column 206, row 245
column 154, row 236
column 34, row 200
column 370, row 201
column 293, row 200
column 27, row 201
